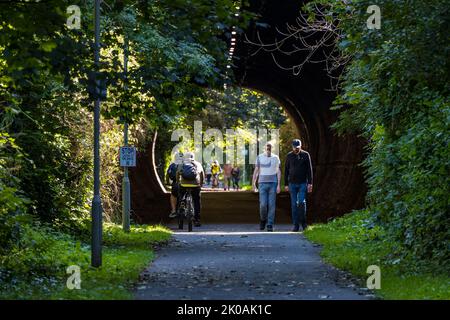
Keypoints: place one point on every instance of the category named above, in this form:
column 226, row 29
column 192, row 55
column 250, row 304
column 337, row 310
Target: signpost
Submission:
column 127, row 156
column 127, row 159
column 96, row 253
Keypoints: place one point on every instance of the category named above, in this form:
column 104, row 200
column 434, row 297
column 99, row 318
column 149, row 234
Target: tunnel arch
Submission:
column 338, row 179
column 294, row 114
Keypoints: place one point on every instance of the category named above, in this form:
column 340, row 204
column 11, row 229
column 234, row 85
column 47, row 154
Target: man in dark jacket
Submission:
column 298, row 177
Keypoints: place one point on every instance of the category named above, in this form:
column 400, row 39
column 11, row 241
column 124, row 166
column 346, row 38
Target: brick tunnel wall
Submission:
column 338, row 179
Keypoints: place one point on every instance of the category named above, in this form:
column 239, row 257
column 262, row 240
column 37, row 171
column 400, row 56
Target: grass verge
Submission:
column 125, row 255
column 353, row 243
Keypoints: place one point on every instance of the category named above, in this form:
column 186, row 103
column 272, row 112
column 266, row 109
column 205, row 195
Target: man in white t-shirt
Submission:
column 268, row 173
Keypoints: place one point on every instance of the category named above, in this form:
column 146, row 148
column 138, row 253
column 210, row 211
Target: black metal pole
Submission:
column 126, row 194
column 96, row 258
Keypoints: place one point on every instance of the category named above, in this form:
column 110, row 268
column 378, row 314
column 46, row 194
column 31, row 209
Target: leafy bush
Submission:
column 36, row 267
column 13, row 205
column 354, row 242
column 395, row 93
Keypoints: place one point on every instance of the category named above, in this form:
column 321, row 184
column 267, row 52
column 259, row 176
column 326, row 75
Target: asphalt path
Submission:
column 239, row 262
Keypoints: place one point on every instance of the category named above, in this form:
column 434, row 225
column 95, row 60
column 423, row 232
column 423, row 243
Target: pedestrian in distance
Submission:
column 215, row 171
column 235, row 174
column 227, row 168
column 208, row 174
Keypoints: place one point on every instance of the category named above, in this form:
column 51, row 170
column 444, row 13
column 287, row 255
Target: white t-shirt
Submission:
column 268, row 167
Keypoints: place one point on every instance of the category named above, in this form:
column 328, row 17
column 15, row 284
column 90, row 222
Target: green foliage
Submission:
column 173, row 52
column 37, row 270
column 175, row 49
column 395, row 93
column 241, row 107
column 354, row 242
column 12, row 204
column 235, row 108
column 125, row 256
column 140, row 236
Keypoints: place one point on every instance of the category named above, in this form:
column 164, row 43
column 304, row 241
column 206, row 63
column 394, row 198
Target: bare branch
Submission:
column 313, row 41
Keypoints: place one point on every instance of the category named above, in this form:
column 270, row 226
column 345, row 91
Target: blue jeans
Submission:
column 267, row 201
column 298, row 202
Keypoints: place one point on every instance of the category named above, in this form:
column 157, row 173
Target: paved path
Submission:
column 231, row 262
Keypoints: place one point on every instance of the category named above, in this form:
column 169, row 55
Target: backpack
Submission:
column 189, row 171
column 172, row 171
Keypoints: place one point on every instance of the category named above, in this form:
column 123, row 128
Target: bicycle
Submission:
column 186, row 209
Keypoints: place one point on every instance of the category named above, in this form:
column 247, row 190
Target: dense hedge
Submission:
column 395, row 93
column 46, row 113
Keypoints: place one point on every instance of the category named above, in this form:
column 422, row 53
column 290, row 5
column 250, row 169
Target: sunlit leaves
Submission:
column 395, row 93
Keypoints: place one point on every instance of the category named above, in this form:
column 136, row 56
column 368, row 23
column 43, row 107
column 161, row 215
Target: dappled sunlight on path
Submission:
column 233, row 262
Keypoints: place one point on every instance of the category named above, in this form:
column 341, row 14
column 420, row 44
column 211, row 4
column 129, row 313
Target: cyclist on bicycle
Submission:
column 191, row 175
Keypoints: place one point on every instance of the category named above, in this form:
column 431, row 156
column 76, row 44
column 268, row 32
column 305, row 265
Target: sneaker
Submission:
column 197, row 223
column 296, row 228
column 304, row 226
column 269, row 228
column 262, row 224
column 173, row 214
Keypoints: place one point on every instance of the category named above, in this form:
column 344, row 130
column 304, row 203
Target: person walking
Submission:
column 298, row 179
column 171, row 176
column 208, row 174
column 227, row 167
column 195, row 183
column 268, row 174
column 235, row 174
column 215, row 171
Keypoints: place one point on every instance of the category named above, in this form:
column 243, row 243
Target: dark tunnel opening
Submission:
column 338, row 179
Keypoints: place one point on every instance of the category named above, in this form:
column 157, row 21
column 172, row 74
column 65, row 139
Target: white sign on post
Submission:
column 127, row 156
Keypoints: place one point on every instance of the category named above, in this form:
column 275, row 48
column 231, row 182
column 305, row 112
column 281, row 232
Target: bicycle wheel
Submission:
column 180, row 222
column 190, row 225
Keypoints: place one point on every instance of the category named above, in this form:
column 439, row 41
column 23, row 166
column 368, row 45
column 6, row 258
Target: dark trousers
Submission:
column 195, row 192
column 236, row 183
column 298, row 203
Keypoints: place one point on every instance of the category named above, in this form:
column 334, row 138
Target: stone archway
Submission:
column 338, row 180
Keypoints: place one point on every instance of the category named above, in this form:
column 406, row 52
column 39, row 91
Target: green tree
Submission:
column 395, row 93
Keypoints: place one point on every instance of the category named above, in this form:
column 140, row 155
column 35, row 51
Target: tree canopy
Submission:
column 176, row 49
